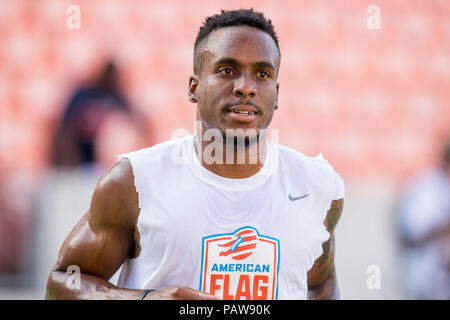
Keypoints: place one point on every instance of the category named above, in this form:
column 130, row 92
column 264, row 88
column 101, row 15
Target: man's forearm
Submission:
column 327, row 290
column 91, row 288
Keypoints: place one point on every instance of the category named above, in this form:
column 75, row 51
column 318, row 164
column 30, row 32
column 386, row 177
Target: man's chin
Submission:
column 241, row 137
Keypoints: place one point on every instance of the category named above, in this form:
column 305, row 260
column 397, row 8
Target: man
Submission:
column 220, row 223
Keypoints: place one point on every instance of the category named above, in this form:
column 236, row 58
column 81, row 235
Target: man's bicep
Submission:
column 323, row 267
column 103, row 238
column 99, row 253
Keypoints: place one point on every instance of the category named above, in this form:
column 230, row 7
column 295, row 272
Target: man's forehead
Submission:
column 240, row 42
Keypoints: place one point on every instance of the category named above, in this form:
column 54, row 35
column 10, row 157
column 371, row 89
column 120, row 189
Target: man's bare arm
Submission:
column 322, row 281
column 101, row 242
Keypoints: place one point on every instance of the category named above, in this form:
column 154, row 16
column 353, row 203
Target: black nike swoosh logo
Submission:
column 297, row 198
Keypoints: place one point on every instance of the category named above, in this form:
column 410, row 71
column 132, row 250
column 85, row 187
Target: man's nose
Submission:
column 244, row 88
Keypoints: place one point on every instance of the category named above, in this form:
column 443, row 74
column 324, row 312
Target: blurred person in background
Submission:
column 424, row 228
column 84, row 115
column 9, row 260
column 15, row 227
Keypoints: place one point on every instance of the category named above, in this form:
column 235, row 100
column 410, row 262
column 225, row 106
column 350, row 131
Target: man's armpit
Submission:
column 136, row 246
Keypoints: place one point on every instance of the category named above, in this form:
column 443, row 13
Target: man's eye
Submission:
column 263, row 75
column 226, row 71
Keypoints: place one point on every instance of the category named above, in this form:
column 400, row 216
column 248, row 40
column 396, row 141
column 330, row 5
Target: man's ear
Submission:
column 192, row 91
column 276, row 98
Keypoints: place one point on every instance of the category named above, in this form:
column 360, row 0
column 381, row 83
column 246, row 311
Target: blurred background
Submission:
column 369, row 88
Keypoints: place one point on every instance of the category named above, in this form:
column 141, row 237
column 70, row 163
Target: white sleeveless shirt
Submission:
column 251, row 238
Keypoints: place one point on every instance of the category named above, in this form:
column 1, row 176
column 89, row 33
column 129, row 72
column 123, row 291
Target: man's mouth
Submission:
column 243, row 108
column 242, row 113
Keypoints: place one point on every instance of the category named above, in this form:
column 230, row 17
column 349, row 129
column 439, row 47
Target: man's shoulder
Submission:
column 115, row 200
column 297, row 158
column 315, row 170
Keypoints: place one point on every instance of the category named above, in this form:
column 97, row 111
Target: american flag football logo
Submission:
column 240, row 265
column 241, row 244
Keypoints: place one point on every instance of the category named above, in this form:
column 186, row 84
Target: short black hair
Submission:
column 241, row 17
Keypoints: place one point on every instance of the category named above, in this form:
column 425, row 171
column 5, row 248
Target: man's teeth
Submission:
column 243, row 112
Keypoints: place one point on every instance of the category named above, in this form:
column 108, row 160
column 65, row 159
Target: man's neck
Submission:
column 238, row 162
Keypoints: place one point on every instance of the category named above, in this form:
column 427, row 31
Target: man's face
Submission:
column 236, row 87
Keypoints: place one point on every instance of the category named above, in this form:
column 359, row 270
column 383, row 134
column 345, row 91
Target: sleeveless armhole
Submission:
column 139, row 180
column 321, row 235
